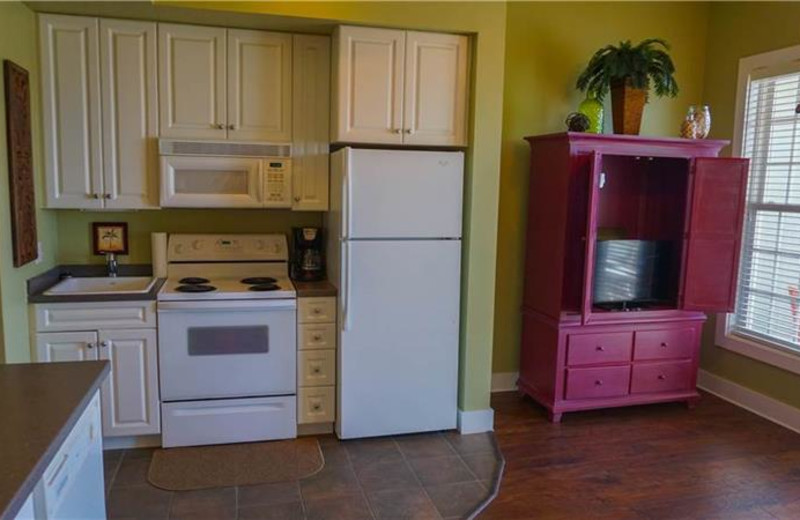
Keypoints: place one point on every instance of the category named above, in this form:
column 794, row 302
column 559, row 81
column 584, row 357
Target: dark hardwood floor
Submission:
column 656, row 462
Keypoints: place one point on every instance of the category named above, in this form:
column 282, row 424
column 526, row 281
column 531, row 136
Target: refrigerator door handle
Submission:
column 346, row 288
column 348, row 197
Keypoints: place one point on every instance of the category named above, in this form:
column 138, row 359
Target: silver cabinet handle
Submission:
column 398, row 130
column 105, row 344
column 297, row 199
column 90, row 345
column 231, row 127
column 107, row 196
column 94, row 196
column 219, row 126
column 409, row 131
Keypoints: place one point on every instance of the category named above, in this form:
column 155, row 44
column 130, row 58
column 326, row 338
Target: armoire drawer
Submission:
column 315, row 404
column 316, row 310
column 661, row 377
column 316, row 367
column 597, row 349
column 664, row 344
column 316, row 336
column 597, row 382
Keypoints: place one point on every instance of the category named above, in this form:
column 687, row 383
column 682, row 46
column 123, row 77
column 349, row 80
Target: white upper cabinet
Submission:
column 311, row 105
column 369, row 85
column 100, row 112
column 259, row 86
column 71, row 108
column 436, row 89
column 192, row 81
column 400, row 87
column 130, row 113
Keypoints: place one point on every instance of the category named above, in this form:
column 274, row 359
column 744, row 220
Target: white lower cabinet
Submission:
column 130, row 395
column 316, row 360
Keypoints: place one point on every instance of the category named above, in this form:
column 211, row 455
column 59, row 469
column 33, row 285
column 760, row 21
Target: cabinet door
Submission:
column 714, row 234
column 435, row 101
column 311, row 139
column 369, row 85
column 259, row 86
column 191, row 81
column 130, row 393
column 71, row 107
column 66, row 346
column 130, row 126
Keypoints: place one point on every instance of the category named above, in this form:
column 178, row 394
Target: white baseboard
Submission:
column 760, row 404
column 475, row 421
column 504, row 381
column 140, row 441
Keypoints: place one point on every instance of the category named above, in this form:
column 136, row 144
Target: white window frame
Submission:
column 771, row 353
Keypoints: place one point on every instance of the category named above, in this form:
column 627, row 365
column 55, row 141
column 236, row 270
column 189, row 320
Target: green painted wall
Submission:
column 547, row 46
column 737, row 30
column 18, row 44
column 77, row 225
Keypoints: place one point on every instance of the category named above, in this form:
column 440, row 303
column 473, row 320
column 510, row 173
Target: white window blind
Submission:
column 768, row 304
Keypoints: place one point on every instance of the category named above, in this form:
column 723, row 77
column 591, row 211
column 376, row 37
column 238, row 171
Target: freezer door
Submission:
column 398, row 353
column 403, row 194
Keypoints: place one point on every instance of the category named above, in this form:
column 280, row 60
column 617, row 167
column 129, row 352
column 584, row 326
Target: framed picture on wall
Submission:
column 110, row 237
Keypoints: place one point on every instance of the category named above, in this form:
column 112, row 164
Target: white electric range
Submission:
column 227, row 340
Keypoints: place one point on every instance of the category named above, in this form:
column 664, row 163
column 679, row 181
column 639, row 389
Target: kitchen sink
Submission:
column 102, row 285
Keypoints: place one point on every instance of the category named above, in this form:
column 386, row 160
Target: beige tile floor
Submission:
column 417, row 477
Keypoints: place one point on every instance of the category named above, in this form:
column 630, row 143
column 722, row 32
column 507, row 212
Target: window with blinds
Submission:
column 768, row 304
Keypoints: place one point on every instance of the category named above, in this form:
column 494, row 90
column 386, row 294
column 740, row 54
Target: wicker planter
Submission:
column 627, row 105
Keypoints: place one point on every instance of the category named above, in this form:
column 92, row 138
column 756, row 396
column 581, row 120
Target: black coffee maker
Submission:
column 308, row 262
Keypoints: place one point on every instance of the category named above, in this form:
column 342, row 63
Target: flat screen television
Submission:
column 630, row 273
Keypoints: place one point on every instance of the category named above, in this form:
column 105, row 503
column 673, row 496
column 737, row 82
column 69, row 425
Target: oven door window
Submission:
column 227, row 341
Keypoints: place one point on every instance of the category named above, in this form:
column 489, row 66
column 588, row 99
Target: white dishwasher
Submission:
column 70, row 487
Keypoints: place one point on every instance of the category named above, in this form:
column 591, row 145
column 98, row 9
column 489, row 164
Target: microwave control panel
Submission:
column 277, row 183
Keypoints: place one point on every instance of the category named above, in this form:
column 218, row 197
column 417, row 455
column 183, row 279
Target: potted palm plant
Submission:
column 629, row 72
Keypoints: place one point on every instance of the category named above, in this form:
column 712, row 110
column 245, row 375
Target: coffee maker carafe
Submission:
column 308, row 263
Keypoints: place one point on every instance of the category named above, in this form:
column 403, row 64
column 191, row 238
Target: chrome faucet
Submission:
column 112, row 266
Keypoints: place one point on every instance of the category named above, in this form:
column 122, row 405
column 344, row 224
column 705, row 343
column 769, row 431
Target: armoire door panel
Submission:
column 71, row 106
column 435, row 98
column 715, row 234
column 259, row 86
column 130, row 114
column 191, row 79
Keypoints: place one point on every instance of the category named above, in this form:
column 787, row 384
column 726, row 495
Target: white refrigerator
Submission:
column 394, row 252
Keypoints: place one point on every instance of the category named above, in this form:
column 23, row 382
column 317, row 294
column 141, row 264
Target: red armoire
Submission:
column 630, row 241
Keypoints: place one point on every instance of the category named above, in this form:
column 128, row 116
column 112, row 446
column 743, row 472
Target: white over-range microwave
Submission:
column 225, row 174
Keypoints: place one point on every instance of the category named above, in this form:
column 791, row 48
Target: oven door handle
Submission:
column 238, row 305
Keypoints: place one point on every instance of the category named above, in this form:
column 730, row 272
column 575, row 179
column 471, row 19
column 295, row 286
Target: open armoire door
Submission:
column 714, row 234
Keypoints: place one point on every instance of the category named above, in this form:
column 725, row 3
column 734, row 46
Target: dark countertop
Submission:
column 314, row 289
column 39, row 284
column 40, row 404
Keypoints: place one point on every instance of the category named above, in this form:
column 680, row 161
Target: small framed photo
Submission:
column 110, row 237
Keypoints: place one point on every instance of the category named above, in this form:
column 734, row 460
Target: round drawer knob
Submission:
column 317, row 337
column 664, row 344
column 316, row 370
column 661, row 377
column 316, row 407
column 599, row 382
column 316, row 310
column 599, row 348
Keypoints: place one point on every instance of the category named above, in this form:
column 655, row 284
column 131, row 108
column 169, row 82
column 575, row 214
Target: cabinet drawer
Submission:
column 316, row 368
column 595, row 349
column 95, row 315
column 316, row 336
column 316, row 310
column 591, row 383
column 661, row 377
column 315, row 405
column 664, row 344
